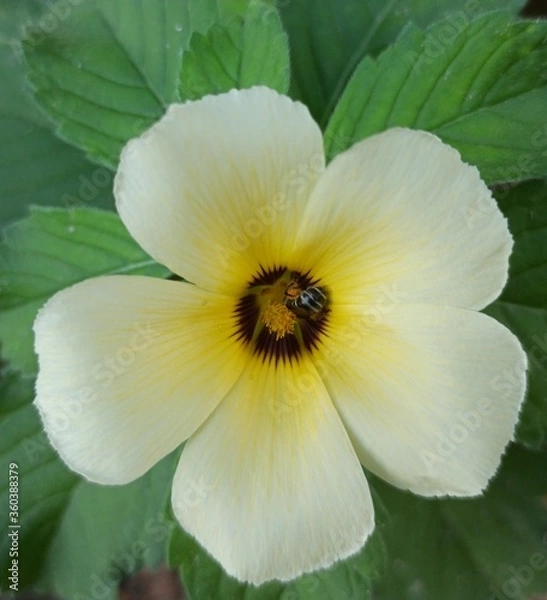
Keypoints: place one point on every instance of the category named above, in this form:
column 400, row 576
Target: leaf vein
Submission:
column 137, row 67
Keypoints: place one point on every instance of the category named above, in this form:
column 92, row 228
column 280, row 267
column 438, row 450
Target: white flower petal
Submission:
column 430, row 395
column 129, row 368
column 400, row 217
column 217, row 188
column 271, row 485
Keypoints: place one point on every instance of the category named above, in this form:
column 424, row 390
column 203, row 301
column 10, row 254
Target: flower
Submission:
column 331, row 321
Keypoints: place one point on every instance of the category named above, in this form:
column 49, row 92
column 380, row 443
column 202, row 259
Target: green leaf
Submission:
column 75, row 538
column 522, row 307
column 44, row 485
column 53, row 249
column 15, row 14
column 108, row 69
column 351, row 579
column 488, row 548
column 248, row 51
column 108, row 531
column 480, row 87
column 35, row 166
column 329, row 38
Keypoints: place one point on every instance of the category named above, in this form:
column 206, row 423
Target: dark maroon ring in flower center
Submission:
column 282, row 314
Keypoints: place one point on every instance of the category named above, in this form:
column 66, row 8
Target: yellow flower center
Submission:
column 282, row 314
column 279, row 319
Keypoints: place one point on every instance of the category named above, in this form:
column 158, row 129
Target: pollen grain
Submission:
column 279, row 319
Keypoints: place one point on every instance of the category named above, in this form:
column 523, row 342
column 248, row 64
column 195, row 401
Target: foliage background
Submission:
column 80, row 77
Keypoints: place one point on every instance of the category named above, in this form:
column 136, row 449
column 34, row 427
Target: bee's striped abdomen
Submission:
column 310, row 303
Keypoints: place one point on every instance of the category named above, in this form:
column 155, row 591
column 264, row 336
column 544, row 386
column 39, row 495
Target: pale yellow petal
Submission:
column 217, row 188
column 270, row 485
column 129, row 368
column 400, row 218
column 430, row 395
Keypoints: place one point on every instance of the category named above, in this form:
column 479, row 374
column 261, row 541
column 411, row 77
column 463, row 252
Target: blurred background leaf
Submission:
column 522, row 306
column 51, row 250
column 45, row 484
column 489, row 548
column 35, row 166
column 108, row 532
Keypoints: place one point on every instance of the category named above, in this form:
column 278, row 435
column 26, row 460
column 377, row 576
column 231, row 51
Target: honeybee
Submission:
column 310, row 303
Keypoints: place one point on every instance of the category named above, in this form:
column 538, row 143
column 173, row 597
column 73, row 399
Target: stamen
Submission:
column 279, row 319
column 273, row 321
